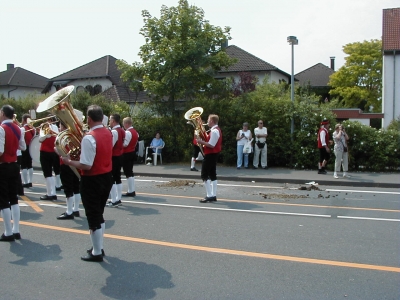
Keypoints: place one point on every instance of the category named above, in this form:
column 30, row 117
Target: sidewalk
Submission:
column 273, row 175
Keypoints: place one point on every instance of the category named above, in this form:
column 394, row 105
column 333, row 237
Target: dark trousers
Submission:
column 323, row 155
column 69, row 181
column 9, row 178
column 94, row 193
column 49, row 161
column 26, row 162
column 116, row 169
column 196, row 151
column 209, row 167
column 128, row 162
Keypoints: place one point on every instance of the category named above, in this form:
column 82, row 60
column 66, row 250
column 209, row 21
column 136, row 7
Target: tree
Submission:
column 359, row 82
column 247, row 83
column 181, row 54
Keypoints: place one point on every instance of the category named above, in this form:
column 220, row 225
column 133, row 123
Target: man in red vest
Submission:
column 118, row 135
column 11, row 139
column 96, row 181
column 212, row 147
column 26, row 164
column 130, row 141
column 323, row 146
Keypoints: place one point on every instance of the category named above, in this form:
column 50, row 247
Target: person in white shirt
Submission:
column 260, row 146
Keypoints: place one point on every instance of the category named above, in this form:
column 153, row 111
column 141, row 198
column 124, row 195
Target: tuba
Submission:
column 68, row 142
column 193, row 117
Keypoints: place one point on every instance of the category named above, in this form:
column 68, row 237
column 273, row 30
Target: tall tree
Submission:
column 181, row 54
column 359, row 82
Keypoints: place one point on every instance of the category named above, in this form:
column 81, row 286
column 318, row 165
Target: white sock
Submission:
column 207, row 185
column 192, row 163
column 119, row 191
column 214, row 188
column 53, row 186
column 70, row 203
column 131, row 184
column 49, row 181
column 96, row 241
column 113, row 193
column 58, row 181
column 16, row 216
column 103, row 229
column 25, row 176
column 6, row 214
column 77, row 201
column 30, row 172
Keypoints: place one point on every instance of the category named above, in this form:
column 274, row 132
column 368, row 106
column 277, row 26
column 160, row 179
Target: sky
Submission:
column 51, row 37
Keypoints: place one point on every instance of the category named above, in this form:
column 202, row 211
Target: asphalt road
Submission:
column 258, row 241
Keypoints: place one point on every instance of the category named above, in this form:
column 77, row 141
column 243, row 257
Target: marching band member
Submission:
column 49, row 160
column 70, row 184
column 26, row 163
column 11, row 139
column 212, row 147
column 130, row 141
column 96, row 181
column 118, row 140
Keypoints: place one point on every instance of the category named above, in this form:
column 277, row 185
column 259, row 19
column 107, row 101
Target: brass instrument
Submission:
column 193, row 116
column 16, row 122
column 68, row 142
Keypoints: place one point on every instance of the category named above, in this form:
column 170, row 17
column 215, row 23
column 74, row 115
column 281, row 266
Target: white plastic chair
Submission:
column 155, row 154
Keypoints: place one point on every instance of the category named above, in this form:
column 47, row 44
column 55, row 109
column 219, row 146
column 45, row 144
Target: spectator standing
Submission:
column 340, row 149
column 243, row 137
column 260, row 146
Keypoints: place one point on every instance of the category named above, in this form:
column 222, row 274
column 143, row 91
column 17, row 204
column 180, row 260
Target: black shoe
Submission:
column 115, row 204
column 59, row 188
column 321, row 171
column 91, row 249
column 65, row 216
column 133, row 194
column 76, row 213
column 254, row 167
column 265, row 168
column 27, row 185
column 8, row 238
column 20, row 194
column 208, row 199
column 46, row 197
column 30, row 184
column 91, row 257
column 194, row 169
column 17, row 236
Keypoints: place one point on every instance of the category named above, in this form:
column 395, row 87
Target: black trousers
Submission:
column 69, row 181
column 94, row 193
column 49, row 161
column 209, row 167
column 26, row 162
column 196, row 151
column 323, row 155
column 116, row 169
column 127, row 164
column 9, row 179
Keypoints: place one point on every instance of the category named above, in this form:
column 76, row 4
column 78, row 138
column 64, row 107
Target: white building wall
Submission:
column 104, row 82
column 391, row 88
column 272, row 77
column 362, row 121
column 19, row 92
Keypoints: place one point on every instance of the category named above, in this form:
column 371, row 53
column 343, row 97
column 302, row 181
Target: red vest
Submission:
column 102, row 161
column 48, row 144
column 28, row 134
column 119, row 144
column 218, row 145
column 11, row 145
column 326, row 137
column 132, row 144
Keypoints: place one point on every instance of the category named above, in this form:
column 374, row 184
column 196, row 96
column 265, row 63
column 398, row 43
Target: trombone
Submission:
column 44, row 124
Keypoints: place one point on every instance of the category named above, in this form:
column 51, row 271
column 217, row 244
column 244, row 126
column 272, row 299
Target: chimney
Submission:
column 333, row 63
column 224, row 44
column 10, row 66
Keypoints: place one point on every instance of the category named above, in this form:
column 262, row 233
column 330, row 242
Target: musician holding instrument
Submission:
column 118, row 141
column 11, row 139
column 71, row 187
column 26, row 163
column 49, row 159
column 96, row 180
column 195, row 155
column 212, row 146
column 130, row 141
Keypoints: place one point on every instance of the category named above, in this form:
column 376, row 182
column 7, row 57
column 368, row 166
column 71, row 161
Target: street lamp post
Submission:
column 292, row 40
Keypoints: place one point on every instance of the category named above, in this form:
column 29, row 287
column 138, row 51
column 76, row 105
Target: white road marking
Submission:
column 229, row 209
column 368, row 192
column 369, row 219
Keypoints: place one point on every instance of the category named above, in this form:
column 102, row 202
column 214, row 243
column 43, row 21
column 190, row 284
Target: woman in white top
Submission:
column 340, row 138
column 243, row 136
